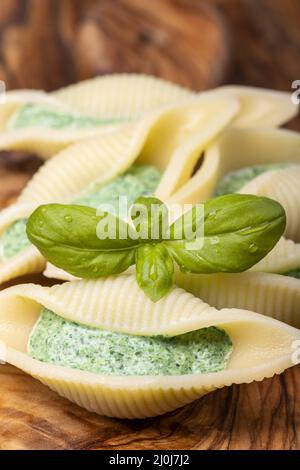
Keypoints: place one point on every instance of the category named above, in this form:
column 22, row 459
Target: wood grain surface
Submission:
column 255, row 416
column 265, row 40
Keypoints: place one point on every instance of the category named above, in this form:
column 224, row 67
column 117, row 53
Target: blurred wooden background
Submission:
column 50, row 43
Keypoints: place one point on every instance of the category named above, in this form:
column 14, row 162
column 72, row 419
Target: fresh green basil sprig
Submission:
column 239, row 230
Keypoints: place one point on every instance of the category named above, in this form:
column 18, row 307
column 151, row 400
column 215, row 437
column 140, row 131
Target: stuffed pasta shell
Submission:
column 105, row 346
column 45, row 123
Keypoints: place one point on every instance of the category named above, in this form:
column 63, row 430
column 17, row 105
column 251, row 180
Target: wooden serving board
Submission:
column 49, row 43
column 255, row 416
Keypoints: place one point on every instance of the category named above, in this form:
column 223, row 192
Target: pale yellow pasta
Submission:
column 261, row 107
column 27, row 261
column 265, row 293
column 261, row 292
column 121, row 95
column 14, row 99
column 109, row 94
column 235, row 149
column 283, row 258
column 44, row 142
column 117, row 99
column 262, row 346
column 149, row 141
column 120, row 98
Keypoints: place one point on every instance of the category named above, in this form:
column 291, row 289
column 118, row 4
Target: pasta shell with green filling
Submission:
column 261, row 346
column 259, row 106
column 17, row 98
column 170, row 138
column 239, row 148
column 45, row 141
column 55, row 120
column 46, row 123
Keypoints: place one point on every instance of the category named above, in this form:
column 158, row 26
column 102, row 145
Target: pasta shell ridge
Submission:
column 265, row 293
column 262, row 346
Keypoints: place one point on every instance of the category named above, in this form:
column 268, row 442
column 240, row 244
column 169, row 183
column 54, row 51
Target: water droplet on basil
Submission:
column 253, row 248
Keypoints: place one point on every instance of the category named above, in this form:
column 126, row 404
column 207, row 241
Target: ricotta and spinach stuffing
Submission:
column 235, row 180
column 139, row 180
column 38, row 116
column 61, row 342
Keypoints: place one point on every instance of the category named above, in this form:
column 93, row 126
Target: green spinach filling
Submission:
column 14, row 240
column 58, row 341
column 235, row 180
column 139, row 180
column 32, row 115
column 294, row 273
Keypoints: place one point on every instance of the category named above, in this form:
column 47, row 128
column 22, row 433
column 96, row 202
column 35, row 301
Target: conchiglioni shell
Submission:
column 44, row 142
column 27, row 261
column 261, row 107
column 114, row 93
column 150, row 141
column 121, row 97
column 14, row 99
column 283, row 258
column 47, row 142
column 239, row 148
column 262, row 346
column 268, row 294
column 127, row 97
column 261, row 292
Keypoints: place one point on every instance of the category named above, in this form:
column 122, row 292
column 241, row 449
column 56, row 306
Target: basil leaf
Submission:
column 154, row 270
column 239, row 230
column 234, row 212
column 150, row 217
column 67, row 237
